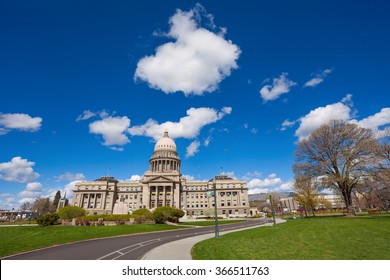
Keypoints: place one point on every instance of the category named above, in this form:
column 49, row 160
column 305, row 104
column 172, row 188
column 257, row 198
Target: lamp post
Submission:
column 272, row 208
column 215, row 210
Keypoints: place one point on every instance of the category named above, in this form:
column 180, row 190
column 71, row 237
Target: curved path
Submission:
column 130, row 247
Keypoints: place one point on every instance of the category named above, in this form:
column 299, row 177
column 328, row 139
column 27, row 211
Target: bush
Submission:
column 142, row 215
column 167, row 213
column 48, row 219
column 70, row 212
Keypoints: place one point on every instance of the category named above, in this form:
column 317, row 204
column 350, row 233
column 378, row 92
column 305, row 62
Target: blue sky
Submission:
column 86, row 88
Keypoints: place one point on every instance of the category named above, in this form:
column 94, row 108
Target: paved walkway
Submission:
column 181, row 249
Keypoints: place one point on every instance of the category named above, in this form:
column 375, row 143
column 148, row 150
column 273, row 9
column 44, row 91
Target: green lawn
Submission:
column 320, row 238
column 23, row 238
column 211, row 222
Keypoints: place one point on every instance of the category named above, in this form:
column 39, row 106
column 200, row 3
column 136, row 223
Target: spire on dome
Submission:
column 166, row 133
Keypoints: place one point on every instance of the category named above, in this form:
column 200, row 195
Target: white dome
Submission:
column 165, row 144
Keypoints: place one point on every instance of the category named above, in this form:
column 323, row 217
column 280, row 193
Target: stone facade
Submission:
column 163, row 185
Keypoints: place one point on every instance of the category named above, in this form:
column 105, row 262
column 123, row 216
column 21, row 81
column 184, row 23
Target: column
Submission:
column 165, row 195
column 89, row 200
column 157, row 196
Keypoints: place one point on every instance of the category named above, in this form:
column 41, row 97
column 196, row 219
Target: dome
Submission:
column 165, row 144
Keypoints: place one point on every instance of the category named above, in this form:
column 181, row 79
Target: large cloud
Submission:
column 342, row 111
column 195, row 63
column 376, row 121
column 322, row 115
column 188, row 127
column 271, row 181
column 18, row 170
column 21, row 122
column 113, row 130
column 279, row 86
column 32, row 191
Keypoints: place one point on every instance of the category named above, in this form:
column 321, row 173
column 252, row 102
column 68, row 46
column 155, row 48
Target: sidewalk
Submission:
column 181, row 249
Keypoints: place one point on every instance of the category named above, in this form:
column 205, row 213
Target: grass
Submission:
column 23, row 238
column 320, row 238
column 211, row 223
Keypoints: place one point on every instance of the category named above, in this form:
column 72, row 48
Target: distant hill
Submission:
column 264, row 196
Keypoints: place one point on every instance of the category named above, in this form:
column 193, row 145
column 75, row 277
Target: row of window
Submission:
column 221, row 204
column 224, row 212
column 222, row 186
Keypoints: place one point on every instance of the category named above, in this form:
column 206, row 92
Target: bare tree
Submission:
column 341, row 155
column 26, row 206
column 42, row 205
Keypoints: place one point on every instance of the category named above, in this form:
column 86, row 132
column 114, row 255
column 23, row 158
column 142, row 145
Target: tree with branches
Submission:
column 340, row 156
column 306, row 193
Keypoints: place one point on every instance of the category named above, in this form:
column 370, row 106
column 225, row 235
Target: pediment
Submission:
column 159, row 179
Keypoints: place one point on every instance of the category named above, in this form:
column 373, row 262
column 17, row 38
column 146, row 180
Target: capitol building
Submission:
column 163, row 185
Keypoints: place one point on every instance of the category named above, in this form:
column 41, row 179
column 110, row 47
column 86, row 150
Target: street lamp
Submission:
column 272, row 208
column 215, row 209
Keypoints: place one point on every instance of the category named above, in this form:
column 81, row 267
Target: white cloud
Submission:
column 68, row 176
column 342, row 111
column 192, row 149
column 207, row 141
column 285, row 187
column 21, row 122
column 189, row 177
column 251, row 175
column 195, row 63
column 376, row 121
column 259, row 190
column 135, row 178
column 254, row 130
column 188, row 127
column 271, row 181
column 68, row 189
column 87, row 114
column 318, row 78
column 8, row 202
column 279, row 86
column 286, row 124
column 18, row 170
column 322, row 115
column 113, row 130
column 230, row 174
column 32, row 191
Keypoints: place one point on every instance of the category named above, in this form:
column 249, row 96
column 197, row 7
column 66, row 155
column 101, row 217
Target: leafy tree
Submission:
column 70, row 212
column 341, row 155
column 56, row 200
column 306, row 193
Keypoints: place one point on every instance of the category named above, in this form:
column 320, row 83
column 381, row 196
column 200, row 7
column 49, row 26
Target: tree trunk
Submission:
column 348, row 202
